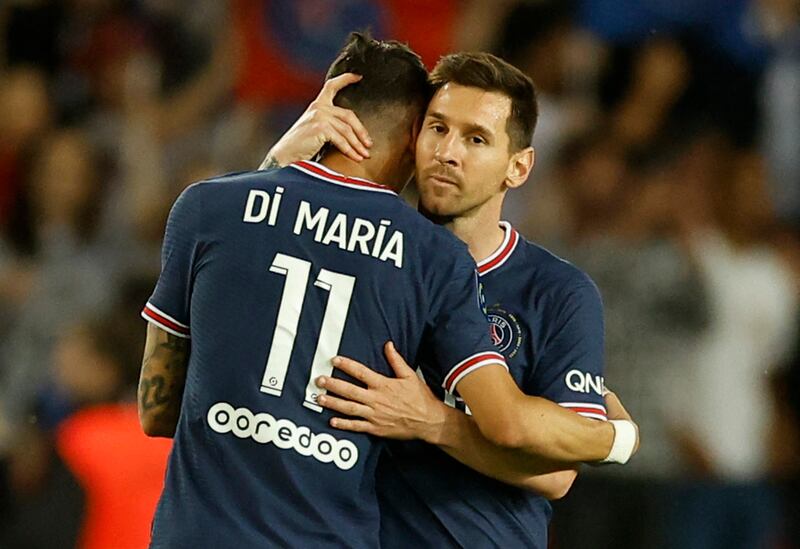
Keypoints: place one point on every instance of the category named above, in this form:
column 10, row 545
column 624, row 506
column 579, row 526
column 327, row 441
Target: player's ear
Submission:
column 519, row 167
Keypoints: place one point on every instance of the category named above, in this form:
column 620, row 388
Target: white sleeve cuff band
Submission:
column 624, row 441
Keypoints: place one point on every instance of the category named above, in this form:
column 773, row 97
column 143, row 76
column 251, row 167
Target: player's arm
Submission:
column 322, row 123
column 570, row 361
column 161, row 381
column 466, row 363
column 503, row 415
column 404, row 407
column 550, row 479
column 166, row 352
column 462, row 439
column 574, row 350
column 511, row 419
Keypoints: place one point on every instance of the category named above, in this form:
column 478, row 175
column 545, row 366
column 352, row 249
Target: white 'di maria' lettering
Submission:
column 260, row 206
column 357, row 235
column 305, row 220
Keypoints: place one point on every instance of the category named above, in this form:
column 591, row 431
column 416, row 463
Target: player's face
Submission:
column 463, row 153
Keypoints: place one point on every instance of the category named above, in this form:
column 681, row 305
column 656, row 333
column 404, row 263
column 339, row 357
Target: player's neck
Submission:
column 373, row 169
column 480, row 228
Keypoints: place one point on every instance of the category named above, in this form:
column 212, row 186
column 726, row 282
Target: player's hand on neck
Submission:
column 322, row 123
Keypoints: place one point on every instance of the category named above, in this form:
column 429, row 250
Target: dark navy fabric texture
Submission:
column 254, row 464
column 546, row 317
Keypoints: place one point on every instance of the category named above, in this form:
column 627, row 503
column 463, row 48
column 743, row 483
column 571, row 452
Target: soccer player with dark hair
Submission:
column 265, row 277
column 545, row 318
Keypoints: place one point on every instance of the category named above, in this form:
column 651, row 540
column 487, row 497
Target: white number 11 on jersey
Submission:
column 340, row 287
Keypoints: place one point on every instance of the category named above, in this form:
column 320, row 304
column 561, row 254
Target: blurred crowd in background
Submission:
column 667, row 167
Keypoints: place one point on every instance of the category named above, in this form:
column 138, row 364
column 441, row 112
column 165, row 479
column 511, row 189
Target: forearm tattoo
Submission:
column 269, row 163
column 162, row 380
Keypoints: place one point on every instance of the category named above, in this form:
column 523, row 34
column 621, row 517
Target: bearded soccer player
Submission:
column 545, row 317
column 273, row 273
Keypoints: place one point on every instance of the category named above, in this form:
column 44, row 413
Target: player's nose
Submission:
column 447, row 151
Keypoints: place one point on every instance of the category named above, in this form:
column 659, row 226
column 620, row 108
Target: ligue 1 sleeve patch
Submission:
column 505, row 331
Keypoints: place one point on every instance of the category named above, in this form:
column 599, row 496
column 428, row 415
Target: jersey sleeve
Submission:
column 459, row 338
column 168, row 307
column 570, row 368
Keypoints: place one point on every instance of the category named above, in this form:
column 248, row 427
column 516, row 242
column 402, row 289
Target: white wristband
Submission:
column 624, row 441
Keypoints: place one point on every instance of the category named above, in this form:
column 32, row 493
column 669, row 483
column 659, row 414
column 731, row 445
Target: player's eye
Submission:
column 477, row 140
column 438, row 128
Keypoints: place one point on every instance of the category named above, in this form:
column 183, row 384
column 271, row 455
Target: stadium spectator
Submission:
column 85, row 459
column 623, row 230
column 753, row 304
column 70, row 276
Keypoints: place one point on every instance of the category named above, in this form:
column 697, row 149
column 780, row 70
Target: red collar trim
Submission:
column 326, row 174
column 501, row 255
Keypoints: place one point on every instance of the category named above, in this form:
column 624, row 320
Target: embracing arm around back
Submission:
column 511, row 419
column 463, row 441
column 403, row 407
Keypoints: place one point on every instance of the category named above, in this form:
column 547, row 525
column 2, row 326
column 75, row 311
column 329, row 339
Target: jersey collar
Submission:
column 501, row 254
column 319, row 171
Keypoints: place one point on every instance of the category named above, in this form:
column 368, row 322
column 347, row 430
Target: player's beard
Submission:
column 443, row 211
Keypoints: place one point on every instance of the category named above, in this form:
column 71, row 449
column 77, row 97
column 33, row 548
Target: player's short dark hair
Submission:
column 488, row 72
column 392, row 75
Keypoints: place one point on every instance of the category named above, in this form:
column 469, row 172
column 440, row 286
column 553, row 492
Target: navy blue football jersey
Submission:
column 546, row 317
column 271, row 274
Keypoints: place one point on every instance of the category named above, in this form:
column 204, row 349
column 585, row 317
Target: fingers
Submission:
column 347, row 407
column 350, row 118
column 396, row 361
column 340, row 142
column 344, row 389
column 354, row 425
column 333, row 85
column 357, row 370
column 614, row 407
column 344, row 129
column 355, row 134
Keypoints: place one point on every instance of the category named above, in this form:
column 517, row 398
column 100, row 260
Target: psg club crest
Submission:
column 505, row 331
